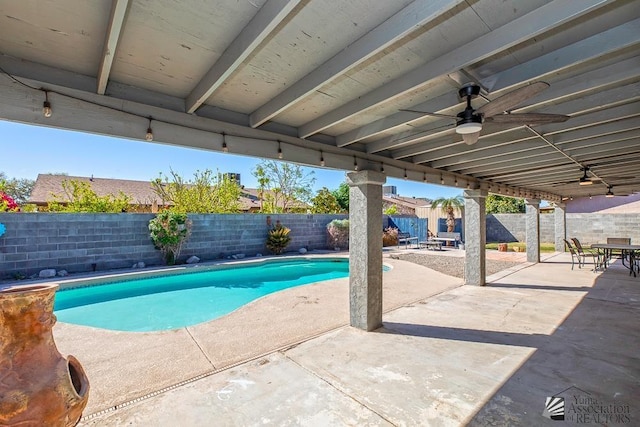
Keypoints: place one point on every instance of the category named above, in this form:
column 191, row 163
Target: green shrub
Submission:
column 278, row 238
column 168, row 231
column 338, row 234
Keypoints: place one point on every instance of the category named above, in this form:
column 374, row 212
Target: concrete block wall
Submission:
column 587, row 227
column 75, row 242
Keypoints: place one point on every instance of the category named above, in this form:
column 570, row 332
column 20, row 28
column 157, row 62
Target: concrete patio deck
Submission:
column 447, row 355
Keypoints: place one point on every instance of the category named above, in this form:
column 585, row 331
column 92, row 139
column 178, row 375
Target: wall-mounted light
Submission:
column 405, row 174
column 321, row 159
column 46, row 106
column 355, row 163
column 424, row 178
column 149, row 135
column 381, row 167
column 280, row 155
column 441, row 180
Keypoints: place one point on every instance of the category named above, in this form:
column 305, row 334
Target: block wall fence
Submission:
column 75, row 242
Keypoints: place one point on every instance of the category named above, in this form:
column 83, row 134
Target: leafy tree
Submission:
column 80, row 197
column 207, row 193
column 283, row 186
column 448, row 206
column 18, row 189
column 168, row 231
column 502, row 204
column 391, row 210
column 325, row 202
column 342, row 196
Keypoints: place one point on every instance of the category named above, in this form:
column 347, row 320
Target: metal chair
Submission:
column 574, row 254
column 584, row 253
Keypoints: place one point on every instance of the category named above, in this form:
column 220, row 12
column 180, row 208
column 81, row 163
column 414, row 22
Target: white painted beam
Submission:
column 599, row 45
column 270, row 15
column 399, row 119
column 524, row 28
column 119, row 10
column 406, row 21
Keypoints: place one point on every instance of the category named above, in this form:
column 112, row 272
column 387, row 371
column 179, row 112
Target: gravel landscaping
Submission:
column 451, row 265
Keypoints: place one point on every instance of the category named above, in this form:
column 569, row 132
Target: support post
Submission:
column 365, row 248
column 560, row 219
column 475, row 219
column 533, row 229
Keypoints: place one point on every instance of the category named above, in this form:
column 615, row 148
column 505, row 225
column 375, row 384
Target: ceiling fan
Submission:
column 469, row 122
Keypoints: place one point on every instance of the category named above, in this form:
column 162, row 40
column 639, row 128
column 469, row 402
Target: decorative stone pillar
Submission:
column 365, row 248
column 475, row 219
column 560, row 219
column 533, row 229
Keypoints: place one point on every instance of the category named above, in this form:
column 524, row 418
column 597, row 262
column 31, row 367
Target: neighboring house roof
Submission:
column 406, row 202
column 141, row 192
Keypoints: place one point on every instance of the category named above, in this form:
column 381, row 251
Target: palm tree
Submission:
column 448, row 206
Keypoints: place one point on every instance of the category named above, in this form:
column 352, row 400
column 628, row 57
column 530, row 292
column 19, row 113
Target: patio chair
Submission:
column 584, row 253
column 574, row 254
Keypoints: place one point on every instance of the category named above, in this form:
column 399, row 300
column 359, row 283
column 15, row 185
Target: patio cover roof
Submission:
column 324, row 83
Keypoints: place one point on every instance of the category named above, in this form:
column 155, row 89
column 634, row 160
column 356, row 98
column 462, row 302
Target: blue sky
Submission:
column 29, row 150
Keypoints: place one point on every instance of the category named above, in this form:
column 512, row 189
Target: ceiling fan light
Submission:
column 585, row 181
column 470, row 127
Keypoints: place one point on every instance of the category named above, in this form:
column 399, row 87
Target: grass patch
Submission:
column 522, row 247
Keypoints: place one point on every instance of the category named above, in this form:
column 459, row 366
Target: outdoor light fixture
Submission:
column 46, row 106
column 424, row 178
column 405, row 174
column 355, row 163
column 149, row 135
column 225, row 149
column 321, row 159
column 456, row 182
column 381, row 167
column 584, row 180
column 279, row 151
column 441, row 180
column 609, row 192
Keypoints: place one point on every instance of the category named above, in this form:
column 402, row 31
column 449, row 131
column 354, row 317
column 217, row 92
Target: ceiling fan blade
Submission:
column 511, row 99
column 446, row 116
column 528, row 118
column 470, row 138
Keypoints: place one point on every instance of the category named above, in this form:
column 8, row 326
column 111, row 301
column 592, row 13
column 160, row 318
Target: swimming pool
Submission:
column 172, row 301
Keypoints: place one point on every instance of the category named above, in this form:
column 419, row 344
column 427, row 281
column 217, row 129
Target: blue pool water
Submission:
column 178, row 300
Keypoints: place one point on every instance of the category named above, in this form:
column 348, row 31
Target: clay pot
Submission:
column 38, row 387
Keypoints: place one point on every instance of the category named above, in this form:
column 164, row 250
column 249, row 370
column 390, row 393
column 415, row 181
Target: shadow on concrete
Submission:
column 469, row 335
column 539, row 287
column 591, row 360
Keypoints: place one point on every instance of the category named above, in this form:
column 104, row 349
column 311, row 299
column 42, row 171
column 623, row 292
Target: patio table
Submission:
column 632, row 251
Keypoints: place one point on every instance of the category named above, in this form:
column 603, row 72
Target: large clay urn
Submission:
column 38, row 387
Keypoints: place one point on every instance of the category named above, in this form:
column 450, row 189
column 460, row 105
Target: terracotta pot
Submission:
column 38, row 387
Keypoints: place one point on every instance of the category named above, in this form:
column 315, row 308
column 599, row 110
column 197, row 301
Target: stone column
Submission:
column 475, row 220
column 533, row 229
column 365, row 248
column 560, row 217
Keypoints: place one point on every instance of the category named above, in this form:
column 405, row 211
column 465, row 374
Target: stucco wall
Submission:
column 34, row 241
